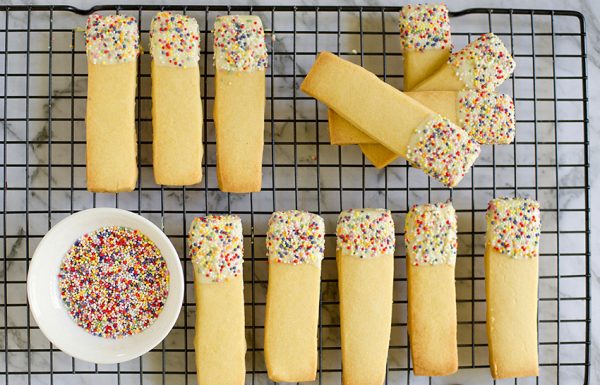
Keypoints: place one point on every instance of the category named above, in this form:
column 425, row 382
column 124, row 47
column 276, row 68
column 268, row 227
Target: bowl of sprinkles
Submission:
column 114, row 282
column 105, row 285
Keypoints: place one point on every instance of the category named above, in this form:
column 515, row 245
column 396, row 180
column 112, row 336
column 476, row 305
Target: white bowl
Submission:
column 51, row 314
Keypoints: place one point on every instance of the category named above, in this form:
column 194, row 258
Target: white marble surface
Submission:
column 195, row 202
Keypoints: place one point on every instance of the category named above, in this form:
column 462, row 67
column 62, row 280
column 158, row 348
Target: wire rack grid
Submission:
column 43, row 87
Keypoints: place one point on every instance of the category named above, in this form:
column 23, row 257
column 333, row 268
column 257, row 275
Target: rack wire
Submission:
column 43, row 87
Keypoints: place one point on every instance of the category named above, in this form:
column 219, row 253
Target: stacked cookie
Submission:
column 451, row 109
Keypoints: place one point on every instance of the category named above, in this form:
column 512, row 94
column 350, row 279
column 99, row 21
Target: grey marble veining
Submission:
column 38, row 152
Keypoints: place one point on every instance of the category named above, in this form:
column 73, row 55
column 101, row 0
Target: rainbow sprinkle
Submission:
column 240, row 43
column 295, row 237
column 514, row 227
column 174, row 40
column 483, row 64
column 424, row 27
column 114, row 282
column 442, row 150
column 216, row 247
column 365, row 233
column 111, row 39
column 430, row 234
column 487, row 116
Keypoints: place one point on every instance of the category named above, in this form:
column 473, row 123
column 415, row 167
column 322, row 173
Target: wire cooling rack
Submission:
column 43, row 86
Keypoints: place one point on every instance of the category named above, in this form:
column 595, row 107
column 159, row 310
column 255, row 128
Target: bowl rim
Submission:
column 176, row 280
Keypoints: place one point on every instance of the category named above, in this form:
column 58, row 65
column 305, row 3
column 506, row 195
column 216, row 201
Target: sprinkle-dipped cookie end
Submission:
column 365, row 233
column 111, row 39
column 483, row 64
column 430, row 234
column 295, row 237
column 514, row 227
column 442, row 150
column 215, row 244
column 424, row 26
column 239, row 43
column 174, row 40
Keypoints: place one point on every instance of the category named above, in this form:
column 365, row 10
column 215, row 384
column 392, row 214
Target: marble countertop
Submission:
column 591, row 10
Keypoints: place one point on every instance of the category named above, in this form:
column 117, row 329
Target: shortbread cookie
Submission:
column 431, row 242
column 365, row 260
column 425, row 41
column 112, row 47
column 511, row 282
column 216, row 250
column 295, row 245
column 239, row 110
column 403, row 125
column 487, row 117
column 176, row 107
column 377, row 109
column 481, row 65
column 342, row 133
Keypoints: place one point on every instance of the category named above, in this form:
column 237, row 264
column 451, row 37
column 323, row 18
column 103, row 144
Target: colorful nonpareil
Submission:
column 216, row 247
column 240, row 43
column 365, row 233
column 174, row 39
column 114, row 282
column 111, row 39
column 295, row 237
column 442, row 150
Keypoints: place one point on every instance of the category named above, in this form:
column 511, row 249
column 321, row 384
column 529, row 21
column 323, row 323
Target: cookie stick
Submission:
column 425, row 41
column 342, row 133
column 295, row 245
column 216, row 250
column 365, row 261
column 176, row 107
column 481, row 65
column 406, row 127
column 112, row 48
column 430, row 238
column 488, row 117
column 239, row 110
column 511, row 284
column 377, row 109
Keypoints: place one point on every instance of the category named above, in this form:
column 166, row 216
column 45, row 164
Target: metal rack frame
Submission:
column 25, row 205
